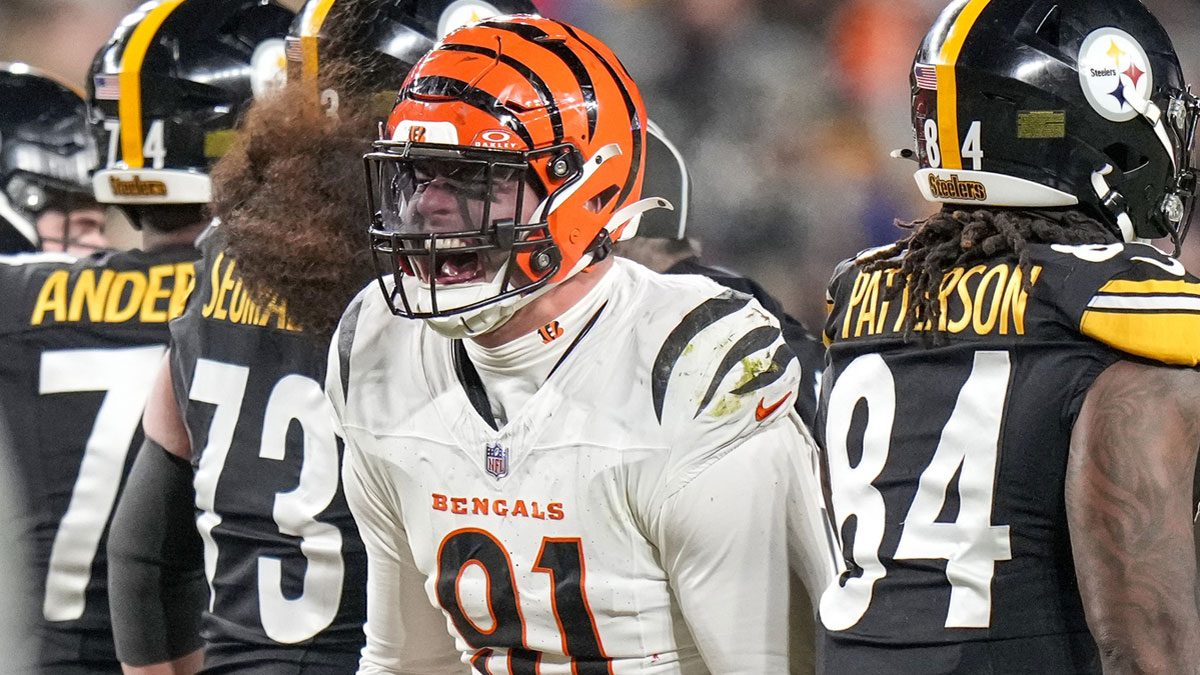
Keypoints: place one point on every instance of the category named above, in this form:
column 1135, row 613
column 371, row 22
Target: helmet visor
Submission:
column 447, row 216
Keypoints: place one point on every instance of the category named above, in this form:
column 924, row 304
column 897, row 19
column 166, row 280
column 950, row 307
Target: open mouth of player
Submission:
column 452, row 268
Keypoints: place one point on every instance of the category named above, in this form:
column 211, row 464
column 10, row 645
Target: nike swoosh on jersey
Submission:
column 761, row 413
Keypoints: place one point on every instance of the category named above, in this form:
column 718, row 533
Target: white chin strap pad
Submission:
column 475, row 322
column 1103, row 191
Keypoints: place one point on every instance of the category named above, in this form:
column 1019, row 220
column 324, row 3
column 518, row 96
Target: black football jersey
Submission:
column 282, row 555
column 81, row 343
column 946, row 455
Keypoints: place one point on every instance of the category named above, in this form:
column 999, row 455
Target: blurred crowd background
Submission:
column 786, row 111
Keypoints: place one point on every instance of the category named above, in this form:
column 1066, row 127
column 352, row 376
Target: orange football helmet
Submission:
column 513, row 159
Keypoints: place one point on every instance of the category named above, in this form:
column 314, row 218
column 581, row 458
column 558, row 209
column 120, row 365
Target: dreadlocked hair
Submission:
column 292, row 202
column 957, row 237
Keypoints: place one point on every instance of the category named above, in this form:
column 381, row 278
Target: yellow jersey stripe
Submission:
column 129, row 108
column 947, row 93
column 1168, row 337
column 1155, row 286
column 309, row 30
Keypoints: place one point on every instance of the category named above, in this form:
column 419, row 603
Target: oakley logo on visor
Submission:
column 498, row 139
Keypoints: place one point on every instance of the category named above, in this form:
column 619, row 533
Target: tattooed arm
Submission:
column 1129, row 509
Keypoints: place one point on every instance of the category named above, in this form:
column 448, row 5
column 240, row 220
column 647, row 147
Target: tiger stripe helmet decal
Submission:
column 547, row 82
column 541, row 102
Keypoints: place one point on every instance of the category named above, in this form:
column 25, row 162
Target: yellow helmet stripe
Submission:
column 130, row 105
column 309, row 30
column 947, row 94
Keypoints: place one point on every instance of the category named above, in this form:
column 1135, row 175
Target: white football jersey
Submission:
column 648, row 510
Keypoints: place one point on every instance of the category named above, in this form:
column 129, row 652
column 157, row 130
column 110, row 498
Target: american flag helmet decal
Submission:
column 926, row 76
column 108, row 87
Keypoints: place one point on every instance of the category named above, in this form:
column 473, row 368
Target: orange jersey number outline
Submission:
column 562, row 559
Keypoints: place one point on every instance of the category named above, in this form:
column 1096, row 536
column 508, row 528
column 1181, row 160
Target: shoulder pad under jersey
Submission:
column 1131, row 297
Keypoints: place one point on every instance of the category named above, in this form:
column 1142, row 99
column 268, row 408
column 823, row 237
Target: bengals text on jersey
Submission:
column 639, row 514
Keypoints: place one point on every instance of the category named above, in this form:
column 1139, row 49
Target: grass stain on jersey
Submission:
column 730, row 403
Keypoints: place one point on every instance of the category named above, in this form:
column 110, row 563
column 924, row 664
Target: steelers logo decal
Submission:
column 1114, row 72
column 463, row 12
column 268, row 67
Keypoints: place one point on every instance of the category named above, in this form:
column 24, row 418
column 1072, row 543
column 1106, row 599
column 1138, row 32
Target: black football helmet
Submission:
column 46, row 153
column 382, row 38
column 1057, row 103
column 168, row 89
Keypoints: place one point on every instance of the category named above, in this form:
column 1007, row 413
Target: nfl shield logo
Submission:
column 496, row 461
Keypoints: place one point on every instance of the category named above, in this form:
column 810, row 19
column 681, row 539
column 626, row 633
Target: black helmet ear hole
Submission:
column 1049, row 28
column 1126, row 158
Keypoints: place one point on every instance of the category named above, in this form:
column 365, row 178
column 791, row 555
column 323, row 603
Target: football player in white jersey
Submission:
column 560, row 461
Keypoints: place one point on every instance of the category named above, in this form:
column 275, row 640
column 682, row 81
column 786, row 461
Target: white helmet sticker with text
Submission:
column 463, row 12
column 1113, row 71
column 416, row 131
column 151, row 186
column 987, row 188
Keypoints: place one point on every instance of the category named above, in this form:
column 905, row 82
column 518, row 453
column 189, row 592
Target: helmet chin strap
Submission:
column 1114, row 202
column 475, row 322
column 485, row 319
column 625, row 223
column 1153, row 114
